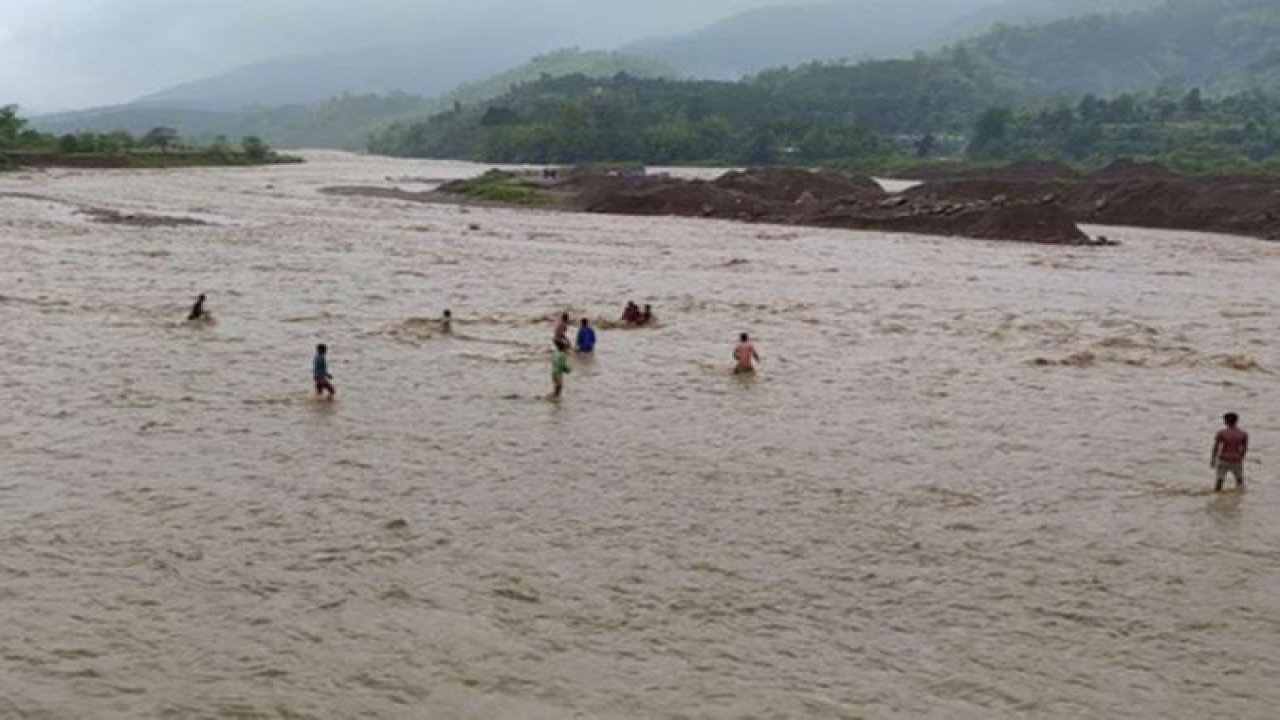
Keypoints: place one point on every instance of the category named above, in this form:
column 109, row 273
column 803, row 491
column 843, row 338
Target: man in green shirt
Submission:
column 559, row 368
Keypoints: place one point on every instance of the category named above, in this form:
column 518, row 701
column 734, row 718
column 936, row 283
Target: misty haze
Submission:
column 569, row 359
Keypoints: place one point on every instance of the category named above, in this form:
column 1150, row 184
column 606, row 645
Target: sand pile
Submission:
column 1124, row 170
column 794, row 186
column 828, row 199
column 664, row 196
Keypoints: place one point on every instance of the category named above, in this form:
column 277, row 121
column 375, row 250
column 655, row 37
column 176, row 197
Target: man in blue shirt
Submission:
column 586, row 337
column 320, row 371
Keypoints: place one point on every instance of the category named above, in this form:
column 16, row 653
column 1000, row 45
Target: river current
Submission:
column 970, row 481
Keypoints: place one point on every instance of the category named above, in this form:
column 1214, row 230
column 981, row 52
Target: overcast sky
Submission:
column 67, row 54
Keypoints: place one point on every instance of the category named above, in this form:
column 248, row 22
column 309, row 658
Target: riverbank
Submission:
column 139, row 160
column 1026, row 202
column 779, row 196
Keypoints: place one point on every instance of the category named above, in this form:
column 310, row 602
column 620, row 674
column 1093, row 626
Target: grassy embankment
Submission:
column 139, row 159
column 505, row 187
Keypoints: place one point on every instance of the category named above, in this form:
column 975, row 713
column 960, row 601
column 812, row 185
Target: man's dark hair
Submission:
column 1231, row 419
column 744, row 337
column 322, row 348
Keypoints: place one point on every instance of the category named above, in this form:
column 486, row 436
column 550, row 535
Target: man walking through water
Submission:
column 745, row 356
column 562, row 330
column 1230, row 446
column 197, row 310
column 320, row 371
column 559, row 368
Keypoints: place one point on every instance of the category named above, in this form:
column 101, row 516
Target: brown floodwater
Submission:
column 969, row 482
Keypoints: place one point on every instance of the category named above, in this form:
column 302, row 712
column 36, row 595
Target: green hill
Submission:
column 1216, row 45
column 930, row 104
column 838, row 30
column 347, row 121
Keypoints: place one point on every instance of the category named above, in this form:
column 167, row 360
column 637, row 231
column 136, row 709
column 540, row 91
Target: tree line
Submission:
column 20, row 143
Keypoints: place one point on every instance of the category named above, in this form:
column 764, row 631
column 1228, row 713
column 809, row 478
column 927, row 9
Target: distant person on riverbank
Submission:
column 446, row 322
column 631, row 315
column 1230, row 446
column 559, row 368
column 197, row 310
column 745, row 355
column 586, row 337
column 562, row 330
column 320, row 371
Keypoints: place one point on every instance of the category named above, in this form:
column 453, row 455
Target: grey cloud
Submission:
column 57, row 54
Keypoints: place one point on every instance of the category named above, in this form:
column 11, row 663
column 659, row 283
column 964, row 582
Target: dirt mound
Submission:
column 1041, row 223
column 1029, row 171
column 1213, row 205
column 675, row 197
column 983, row 190
column 1125, row 169
column 1023, row 171
column 1036, row 223
column 795, row 186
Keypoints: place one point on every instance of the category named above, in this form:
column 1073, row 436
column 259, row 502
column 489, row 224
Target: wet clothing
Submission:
column 320, row 368
column 1236, row 469
column 586, row 339
column 559, row 365
column 1232, row 444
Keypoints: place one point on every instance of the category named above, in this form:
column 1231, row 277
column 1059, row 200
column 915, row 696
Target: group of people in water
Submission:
column 634, row 316
column 744, row 355
column 1230, row 444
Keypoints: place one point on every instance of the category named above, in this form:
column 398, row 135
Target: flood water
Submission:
column 970, row 480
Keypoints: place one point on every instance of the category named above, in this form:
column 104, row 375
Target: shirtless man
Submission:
column 745, row 356
column 562, row 330
column 1230, row 446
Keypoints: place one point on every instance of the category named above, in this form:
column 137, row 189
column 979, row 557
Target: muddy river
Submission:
column 970, row 481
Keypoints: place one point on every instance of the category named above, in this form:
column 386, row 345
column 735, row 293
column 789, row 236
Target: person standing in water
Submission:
column 1230, row 446
column 197, row 310
column 586, row 337
column 562, row 330
column 631, row 314
column 446, row 323
column 646, row 315
column 559, row 368
column 320, row 371
column 745, row 355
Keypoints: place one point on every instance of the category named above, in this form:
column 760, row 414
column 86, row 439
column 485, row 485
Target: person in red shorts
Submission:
column 1230, row 446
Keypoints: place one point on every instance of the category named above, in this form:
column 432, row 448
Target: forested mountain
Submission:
column 812, row 114
column 1217, row 45
column 1037, row 12
column 787, row 35
column 346, row 121
column 851, row 30
column 819, row 113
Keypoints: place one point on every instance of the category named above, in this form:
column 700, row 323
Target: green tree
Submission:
column 68, row 144
column 10, row 126
column 255, row 148
column 161, row 137
column 991, row 132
